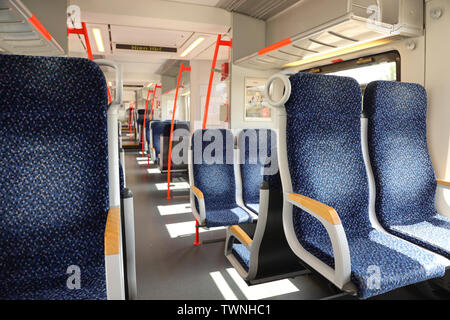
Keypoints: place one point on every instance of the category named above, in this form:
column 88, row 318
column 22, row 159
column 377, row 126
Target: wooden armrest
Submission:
column 326, row 212
column 112, row 232
column 443, row 182
column 241, row 235
column 197, row 192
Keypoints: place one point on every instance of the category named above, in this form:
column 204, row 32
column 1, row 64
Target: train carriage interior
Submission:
column 222, row 150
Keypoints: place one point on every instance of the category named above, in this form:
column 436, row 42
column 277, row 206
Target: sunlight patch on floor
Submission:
column 174, row 209
column 173, row 186
column 144, row 163
column 223, row 286
column 264, row 290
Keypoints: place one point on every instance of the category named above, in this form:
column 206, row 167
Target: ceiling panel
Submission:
column 209, row 40
column 208, row 53
column 104, row 34
column 260, row 9
column 149, row 68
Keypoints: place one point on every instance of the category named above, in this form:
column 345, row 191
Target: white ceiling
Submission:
column 151, row 23
column 140, row 67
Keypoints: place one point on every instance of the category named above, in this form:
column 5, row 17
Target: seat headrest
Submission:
column 398, row 100
column 48, row 79
column 324, row 95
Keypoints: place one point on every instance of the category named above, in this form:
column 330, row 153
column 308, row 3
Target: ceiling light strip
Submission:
column 98, row 39
column 192, row 46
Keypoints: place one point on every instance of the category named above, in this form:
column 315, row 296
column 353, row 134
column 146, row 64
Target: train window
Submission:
column 385, row 66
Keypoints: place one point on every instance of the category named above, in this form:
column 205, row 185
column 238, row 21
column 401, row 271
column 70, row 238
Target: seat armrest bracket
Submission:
column 241, row 235
column 332, row 223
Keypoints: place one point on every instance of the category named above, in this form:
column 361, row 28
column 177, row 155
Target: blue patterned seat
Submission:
column 54, row 177
column 216, row 179
column 148, row 126
column 157, row 128
column 179, row 128
column 242, row 254
column 403, row 172
column 253, row 163
column 140, row 118
column 326, row 164
column 147, row 131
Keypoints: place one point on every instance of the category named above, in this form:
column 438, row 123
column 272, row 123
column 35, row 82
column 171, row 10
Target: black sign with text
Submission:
column 145, row 48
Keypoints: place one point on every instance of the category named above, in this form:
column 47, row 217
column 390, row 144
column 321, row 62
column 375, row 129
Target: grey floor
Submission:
column 173, row 268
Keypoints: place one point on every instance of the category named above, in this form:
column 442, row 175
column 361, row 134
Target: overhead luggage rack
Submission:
column 346, row 33
column 22, row 33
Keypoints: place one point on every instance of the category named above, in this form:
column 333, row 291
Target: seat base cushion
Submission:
column 380, row 262
column 433, row 234
column 227, row 217
column 92, row 287
column 242, row 254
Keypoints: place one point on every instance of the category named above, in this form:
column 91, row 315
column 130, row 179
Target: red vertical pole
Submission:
column 88, row 43
column 129, row 116
column 153, row 100
column 219, row 43
column 208, row 97
column 83, row 31
column 180, row 72
column 143, row 126
column 109, row 95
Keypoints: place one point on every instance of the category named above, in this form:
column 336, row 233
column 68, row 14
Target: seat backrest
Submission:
column 141, row 113
column 323, row 133
column 147, row 131
column 53, row 175
column 255, row 148
column 176, row 125
column 397, row 136
column 157, row 128
column 179, row 128
column 213, row 173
